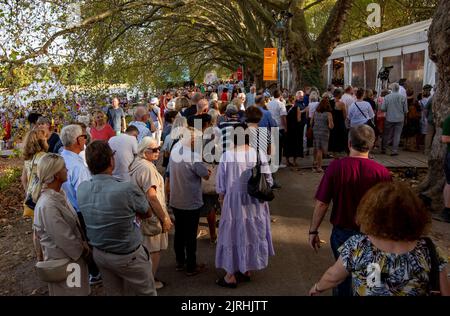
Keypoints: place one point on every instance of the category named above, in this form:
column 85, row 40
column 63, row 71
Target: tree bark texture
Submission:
column 439, row 51
column 307, row 56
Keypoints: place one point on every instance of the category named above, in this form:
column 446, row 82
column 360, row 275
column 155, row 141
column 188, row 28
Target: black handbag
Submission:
column 369, row 122
column 257, row 186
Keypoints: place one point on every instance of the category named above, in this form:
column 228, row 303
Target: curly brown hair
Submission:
column 392, row 211
column 35, row 141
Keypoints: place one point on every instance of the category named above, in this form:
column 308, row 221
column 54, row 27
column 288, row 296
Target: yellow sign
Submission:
column 270, row 64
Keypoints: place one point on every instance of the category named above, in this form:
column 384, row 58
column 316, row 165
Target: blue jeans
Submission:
column 338, row 237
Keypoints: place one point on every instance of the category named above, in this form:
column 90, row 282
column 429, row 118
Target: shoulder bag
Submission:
column 257, row 185
column 209, row 186
column 151, row 226
column 52, row 271
column 369, row 122
column 32, row 185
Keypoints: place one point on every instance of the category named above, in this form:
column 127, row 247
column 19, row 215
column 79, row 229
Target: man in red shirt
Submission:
column 345, row 183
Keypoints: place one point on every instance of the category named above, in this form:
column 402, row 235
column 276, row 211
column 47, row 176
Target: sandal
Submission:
column 221, row 282
column 243, row 277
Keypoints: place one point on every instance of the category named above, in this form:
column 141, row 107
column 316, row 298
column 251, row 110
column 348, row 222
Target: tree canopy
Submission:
column 151, row 43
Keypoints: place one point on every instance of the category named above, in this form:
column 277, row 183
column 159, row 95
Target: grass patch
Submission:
column 9, row 176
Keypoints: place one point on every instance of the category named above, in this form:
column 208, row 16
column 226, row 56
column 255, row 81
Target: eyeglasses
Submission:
column 84, row 136
column 154, row 150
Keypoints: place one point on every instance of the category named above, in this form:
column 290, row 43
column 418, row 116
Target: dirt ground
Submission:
column 292, row 209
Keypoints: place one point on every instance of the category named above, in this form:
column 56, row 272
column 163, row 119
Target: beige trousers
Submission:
column 126, row 275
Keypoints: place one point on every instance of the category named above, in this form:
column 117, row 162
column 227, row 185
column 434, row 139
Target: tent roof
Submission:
column 407, row 35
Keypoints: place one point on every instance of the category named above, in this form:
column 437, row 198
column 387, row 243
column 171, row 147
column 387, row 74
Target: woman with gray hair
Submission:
column 144, row 174
column 57, row 228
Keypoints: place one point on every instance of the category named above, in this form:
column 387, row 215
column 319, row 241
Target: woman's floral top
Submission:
column 377, row 273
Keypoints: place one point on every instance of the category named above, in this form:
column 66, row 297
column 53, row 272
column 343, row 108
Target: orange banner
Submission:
column 270, row 64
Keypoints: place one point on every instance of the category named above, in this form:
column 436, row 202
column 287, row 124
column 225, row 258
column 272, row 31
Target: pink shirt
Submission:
column 104, row 134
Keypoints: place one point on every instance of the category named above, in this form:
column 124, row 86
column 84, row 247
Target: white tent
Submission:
column 404, row 48
column 42, row 90
column 358, row 62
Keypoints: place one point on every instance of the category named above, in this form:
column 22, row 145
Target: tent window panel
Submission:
column 337, row 72
column 396, row 72
column 371, row 73
column 413, row 70
column 358, row 74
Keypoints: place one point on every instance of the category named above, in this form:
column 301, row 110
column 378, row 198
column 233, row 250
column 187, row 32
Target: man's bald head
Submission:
column 202, row 106
column 141, row 113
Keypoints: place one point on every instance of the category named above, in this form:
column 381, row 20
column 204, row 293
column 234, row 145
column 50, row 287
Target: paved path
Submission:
column 293, row 269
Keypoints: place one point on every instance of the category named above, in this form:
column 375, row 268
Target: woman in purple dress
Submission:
column 245, row 240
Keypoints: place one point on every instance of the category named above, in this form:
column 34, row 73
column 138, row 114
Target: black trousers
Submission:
column 92, row 267
column 185, row 241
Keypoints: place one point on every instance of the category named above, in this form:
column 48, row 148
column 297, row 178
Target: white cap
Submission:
column 154, row 101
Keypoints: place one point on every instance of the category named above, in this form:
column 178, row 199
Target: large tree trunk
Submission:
column 306, row 73
column 306, row 56
column 439, row 51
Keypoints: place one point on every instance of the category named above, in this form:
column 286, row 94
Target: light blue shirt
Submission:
column 143, row 130
column 250, row 99
column 395, row 106
column 109, row 208
column 77, row 172
column 359, row 115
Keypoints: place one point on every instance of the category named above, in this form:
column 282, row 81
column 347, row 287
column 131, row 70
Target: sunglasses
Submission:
column 154, row 150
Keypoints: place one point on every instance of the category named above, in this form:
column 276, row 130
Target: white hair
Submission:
column 241, row 95
column 395, row 87
column 145, row 143
column 48, row 166
column 70, row 133
column 140, row 112
column 214, row 115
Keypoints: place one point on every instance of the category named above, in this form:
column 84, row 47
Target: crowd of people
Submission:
column 105, row 191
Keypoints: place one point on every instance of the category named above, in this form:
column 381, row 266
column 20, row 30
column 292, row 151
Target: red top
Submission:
column 104, row 134
column 224, row 97
column 162, row 104
column 7, row 127
column 345, row 182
